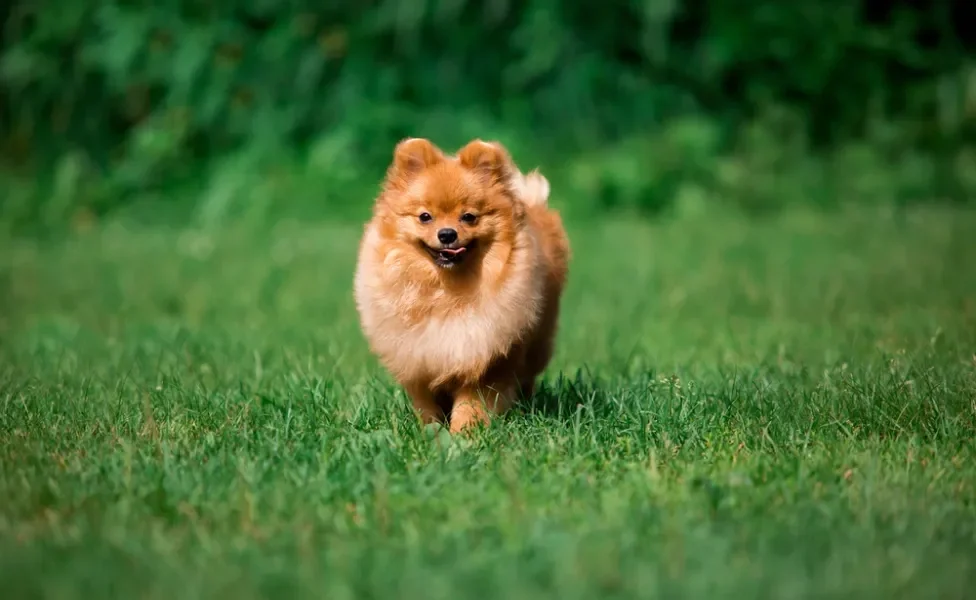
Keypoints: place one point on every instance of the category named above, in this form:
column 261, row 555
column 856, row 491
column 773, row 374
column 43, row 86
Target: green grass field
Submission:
column 776, row 408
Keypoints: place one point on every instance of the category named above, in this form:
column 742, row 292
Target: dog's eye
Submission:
column 425, row 217
column 468, row 218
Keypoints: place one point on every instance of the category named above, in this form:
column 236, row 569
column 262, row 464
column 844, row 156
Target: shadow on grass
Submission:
column 563, row 397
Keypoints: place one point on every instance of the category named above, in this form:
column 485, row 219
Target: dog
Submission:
column 459, row 277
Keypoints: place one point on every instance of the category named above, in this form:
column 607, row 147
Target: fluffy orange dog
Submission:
column 459, row 278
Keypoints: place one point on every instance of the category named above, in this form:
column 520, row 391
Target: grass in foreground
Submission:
column 771, row 409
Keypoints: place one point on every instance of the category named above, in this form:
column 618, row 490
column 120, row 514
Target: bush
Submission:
column 145, row 95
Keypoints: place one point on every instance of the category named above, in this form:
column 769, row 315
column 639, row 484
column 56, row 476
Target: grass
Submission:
column 776, row 408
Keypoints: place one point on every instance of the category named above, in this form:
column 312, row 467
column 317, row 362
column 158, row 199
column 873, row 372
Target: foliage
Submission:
column 144, row 95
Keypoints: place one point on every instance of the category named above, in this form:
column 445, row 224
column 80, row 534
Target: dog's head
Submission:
column 451, row 208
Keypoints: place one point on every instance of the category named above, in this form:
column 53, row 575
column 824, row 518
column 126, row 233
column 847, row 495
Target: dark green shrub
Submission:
column 148, row 93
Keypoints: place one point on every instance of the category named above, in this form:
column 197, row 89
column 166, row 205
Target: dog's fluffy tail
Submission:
column 534, row 188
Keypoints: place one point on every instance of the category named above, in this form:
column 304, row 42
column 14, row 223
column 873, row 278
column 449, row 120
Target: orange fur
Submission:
column 463, row 338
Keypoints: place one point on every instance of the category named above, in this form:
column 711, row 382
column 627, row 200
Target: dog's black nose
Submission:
column 447, row 236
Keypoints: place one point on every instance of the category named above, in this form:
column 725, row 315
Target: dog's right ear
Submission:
column 411, row 156
column 489, row 159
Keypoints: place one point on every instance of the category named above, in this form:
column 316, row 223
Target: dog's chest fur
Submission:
column 424, row 332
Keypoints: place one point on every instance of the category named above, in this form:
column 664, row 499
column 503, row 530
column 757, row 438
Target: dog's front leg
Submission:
column 476, row 404
column 424, row 403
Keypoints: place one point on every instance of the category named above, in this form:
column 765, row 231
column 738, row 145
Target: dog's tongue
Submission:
column 453, row 251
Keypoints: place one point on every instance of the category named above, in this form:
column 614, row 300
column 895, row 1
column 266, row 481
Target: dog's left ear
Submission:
column 489, row 159
column 413, row 155
column 410, row 157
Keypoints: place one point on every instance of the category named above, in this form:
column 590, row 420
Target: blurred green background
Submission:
column 210, row 111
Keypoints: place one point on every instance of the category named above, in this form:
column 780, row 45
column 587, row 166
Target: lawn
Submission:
column 781, row 407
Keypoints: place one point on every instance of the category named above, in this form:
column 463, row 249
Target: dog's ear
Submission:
column 489, row 159
column 413, row 155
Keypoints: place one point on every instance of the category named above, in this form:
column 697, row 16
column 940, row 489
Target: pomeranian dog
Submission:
column 459, row 278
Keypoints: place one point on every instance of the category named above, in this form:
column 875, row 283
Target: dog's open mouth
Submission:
column 448, row 257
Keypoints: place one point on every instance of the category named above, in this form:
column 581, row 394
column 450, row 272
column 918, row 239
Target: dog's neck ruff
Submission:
column 424, row 330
